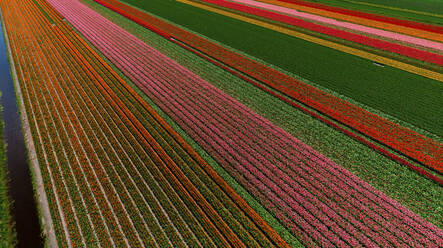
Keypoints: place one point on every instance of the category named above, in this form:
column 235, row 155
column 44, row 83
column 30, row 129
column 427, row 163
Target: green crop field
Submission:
column 432, row 7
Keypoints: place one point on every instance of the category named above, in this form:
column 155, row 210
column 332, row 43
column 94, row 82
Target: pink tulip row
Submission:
column 348, row 25
column 282, row 171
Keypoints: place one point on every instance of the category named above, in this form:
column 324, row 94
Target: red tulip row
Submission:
column 275, row 167
column 400, row 22
column 404, row 140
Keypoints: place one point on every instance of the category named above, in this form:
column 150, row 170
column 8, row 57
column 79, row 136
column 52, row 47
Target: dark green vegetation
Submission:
column 7, row 234
column 43, row 12
column 406, row 96
column 429, row 6
column 415, row 192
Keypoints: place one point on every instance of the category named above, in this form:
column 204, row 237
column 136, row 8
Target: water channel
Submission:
column 24, row 209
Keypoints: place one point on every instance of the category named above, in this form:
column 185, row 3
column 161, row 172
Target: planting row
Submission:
column 406, row 141
column 110, row 182
column 276, row 168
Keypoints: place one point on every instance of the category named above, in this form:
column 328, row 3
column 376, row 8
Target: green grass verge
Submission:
column 428, row 6
column 406, row 96
column 43, row 12
column 415, row 192
column 7, row 233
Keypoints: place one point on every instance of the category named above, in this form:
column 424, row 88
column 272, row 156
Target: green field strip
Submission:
column 404, row 9
column 404, row 95
column 43, row 12
column 410, row 189
column 7, row 233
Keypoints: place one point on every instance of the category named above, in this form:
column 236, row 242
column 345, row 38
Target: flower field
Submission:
column 356, row 18
column 353, row 116
column 116, row 173
column 100, row 163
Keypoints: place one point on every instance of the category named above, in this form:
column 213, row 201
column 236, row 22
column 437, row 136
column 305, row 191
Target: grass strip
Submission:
column 7, row 234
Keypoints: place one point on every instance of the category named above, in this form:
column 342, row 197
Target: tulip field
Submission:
column 154, row 129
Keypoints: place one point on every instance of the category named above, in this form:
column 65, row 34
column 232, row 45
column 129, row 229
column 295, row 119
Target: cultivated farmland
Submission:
column 149, row 134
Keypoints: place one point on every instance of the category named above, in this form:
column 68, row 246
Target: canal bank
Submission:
column 23, row 207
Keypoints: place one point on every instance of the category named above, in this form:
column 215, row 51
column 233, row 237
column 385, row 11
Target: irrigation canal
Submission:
column 24, row 209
